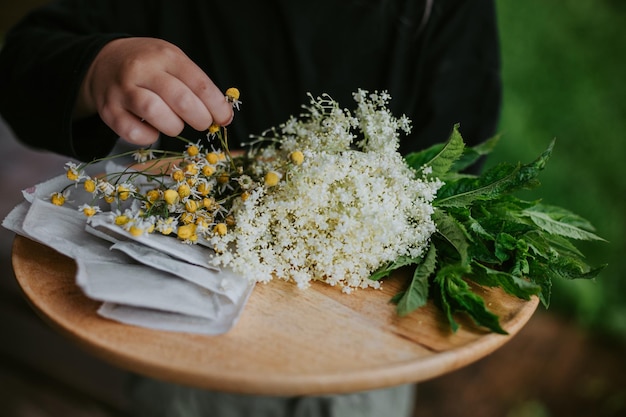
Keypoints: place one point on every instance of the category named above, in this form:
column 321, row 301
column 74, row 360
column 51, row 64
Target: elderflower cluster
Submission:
column 340, row 213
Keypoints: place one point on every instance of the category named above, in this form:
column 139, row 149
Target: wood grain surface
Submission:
column 287, row 342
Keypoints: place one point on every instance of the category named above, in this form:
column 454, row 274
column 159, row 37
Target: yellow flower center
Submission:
column 171, row 196
column 272, row 178
column 89, row 211
column 204, row 188
column 135, row 231
column 89, row 186
column 187, row 232
column 72, row 175
column 208, row 203
column 297, row 157
column 208, row 170
column 57, row 199
column 178, row 175
column 121, row 220
column 214, row 128
column 212, row 158
column 192, row 150
column 123, row 192
column 191, row 206
column 220, row 229
column 184, row 191
column 152, row 195
column 232, row 93
column 191, row 169
column 187, row 218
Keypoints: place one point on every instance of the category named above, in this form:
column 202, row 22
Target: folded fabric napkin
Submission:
column 152, row 281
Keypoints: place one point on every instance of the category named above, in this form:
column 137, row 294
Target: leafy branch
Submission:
column 487, row 235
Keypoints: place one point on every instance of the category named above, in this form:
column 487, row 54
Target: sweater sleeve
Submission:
column 42, row 65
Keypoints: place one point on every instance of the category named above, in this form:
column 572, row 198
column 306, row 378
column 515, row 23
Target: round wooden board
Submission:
column 287, row 341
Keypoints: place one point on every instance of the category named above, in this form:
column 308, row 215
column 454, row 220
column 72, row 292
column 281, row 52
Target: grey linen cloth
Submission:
column 153, row 281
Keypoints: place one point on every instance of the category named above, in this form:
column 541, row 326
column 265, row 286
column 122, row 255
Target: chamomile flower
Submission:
column 213, row 130
column 187, row 233
column 89, row 210
column 232, row 96
column 125, row 190
column 143, row 155
column 166, row 226
column 59, row 198
column 90, row 186
column 73, row 172
column 193, row 149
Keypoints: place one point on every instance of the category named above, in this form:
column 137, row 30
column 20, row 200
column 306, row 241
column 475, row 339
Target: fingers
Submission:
column 203, row 88
column 181, row 102
column 143, row 86
column 129, row 126
column 208, row 93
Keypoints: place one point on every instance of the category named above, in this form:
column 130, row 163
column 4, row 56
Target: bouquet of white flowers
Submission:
column 326, row 196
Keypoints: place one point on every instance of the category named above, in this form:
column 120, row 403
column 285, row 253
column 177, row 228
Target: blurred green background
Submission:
column 564, row 65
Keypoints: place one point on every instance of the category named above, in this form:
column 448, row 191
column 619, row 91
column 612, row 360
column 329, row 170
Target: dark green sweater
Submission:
column 439, row 73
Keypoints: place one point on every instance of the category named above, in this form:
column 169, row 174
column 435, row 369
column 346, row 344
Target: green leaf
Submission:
column 475, row 307
column 458, row 296
column 385, row 270
column 444, row 274
column 417, row 293
column 440, row 159
column 514, row 285
column 417, row 160
column 499, row 180
column 558, row 221
column 505, row 244
column 542, row 275
column 452, row 232
column 471, row 155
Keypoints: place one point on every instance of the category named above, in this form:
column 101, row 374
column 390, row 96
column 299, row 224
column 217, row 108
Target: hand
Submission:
column 143, row 86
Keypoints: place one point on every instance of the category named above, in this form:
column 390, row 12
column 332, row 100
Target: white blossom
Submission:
column 343, row 212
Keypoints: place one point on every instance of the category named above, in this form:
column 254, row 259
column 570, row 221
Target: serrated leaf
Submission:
column 557, row 245
column 439, row 159
column 514, row 285
column 499, row 180
column 446, row 300
column 504, row 245
column 474, row 306
column 451, row 231
column 560, row 222
column 542, row 275
column 458, row 296
column 417, row 293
